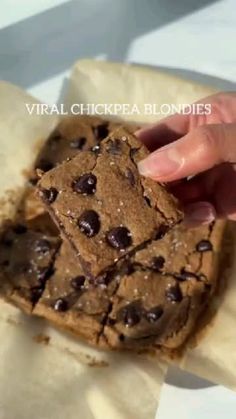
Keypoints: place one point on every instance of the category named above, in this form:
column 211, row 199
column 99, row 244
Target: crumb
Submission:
column 41, row 338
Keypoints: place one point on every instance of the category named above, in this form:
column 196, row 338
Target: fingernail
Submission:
column 199, row 213
column 161, row 163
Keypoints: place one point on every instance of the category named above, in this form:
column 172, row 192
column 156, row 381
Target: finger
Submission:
column 166, row 131
column 221, row 184
column 199, row 150
column 171, row 128
column 216, row 186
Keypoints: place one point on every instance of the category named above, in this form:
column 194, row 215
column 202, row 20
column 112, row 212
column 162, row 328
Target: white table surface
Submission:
column 39, row 41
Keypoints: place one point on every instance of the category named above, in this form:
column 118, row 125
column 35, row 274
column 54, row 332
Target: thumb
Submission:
column 199, row 150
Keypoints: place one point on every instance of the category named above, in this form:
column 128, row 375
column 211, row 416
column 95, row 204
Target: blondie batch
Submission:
column 117, row 278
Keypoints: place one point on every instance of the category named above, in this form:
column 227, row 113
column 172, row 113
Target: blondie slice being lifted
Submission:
column 103, row 206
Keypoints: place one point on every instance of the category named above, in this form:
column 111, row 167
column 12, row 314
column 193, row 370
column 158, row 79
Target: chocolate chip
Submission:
column 20, row 229
column 154, row 314
column 130, row 315
column 130, row 176
column 60, row 305
column 85, row 184
column 157, row 263
column 35, row 294
column 89, row 223
column 48, row 195
column 78, row 282
column 204, row 246
column 119, row 237
column 133, row 151
column 114, row 147
column 78, row 143
column 45, row 165
column 174, row 294
column 101, row 131
column 42, row 246
column 185, row 275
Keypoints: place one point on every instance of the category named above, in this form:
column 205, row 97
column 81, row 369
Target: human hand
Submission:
column 200, row 146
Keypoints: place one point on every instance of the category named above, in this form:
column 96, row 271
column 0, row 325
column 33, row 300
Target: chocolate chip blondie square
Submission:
column 103, row 206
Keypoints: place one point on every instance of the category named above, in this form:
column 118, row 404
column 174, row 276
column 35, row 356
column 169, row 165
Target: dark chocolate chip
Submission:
column 78, row 282
column 48, row 195
column 119, row 237
column 45, row 165
column 131, row 315
column 42, row 246
column 204, row 246
column 101, row 131
column 20, row 229
column 185, row 275
column 60, row 305
column 35, row 294
column 89, row 223
column 157, row 263
column 114, row 147
column 78, row 143
column 174, row 294
column 85, row 184
column 130, row 176
column 133, row 151
column 154, row 314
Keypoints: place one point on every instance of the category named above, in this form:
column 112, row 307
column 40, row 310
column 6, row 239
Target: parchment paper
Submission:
column 45, row 374
column 20, row 138
column 100, row 82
